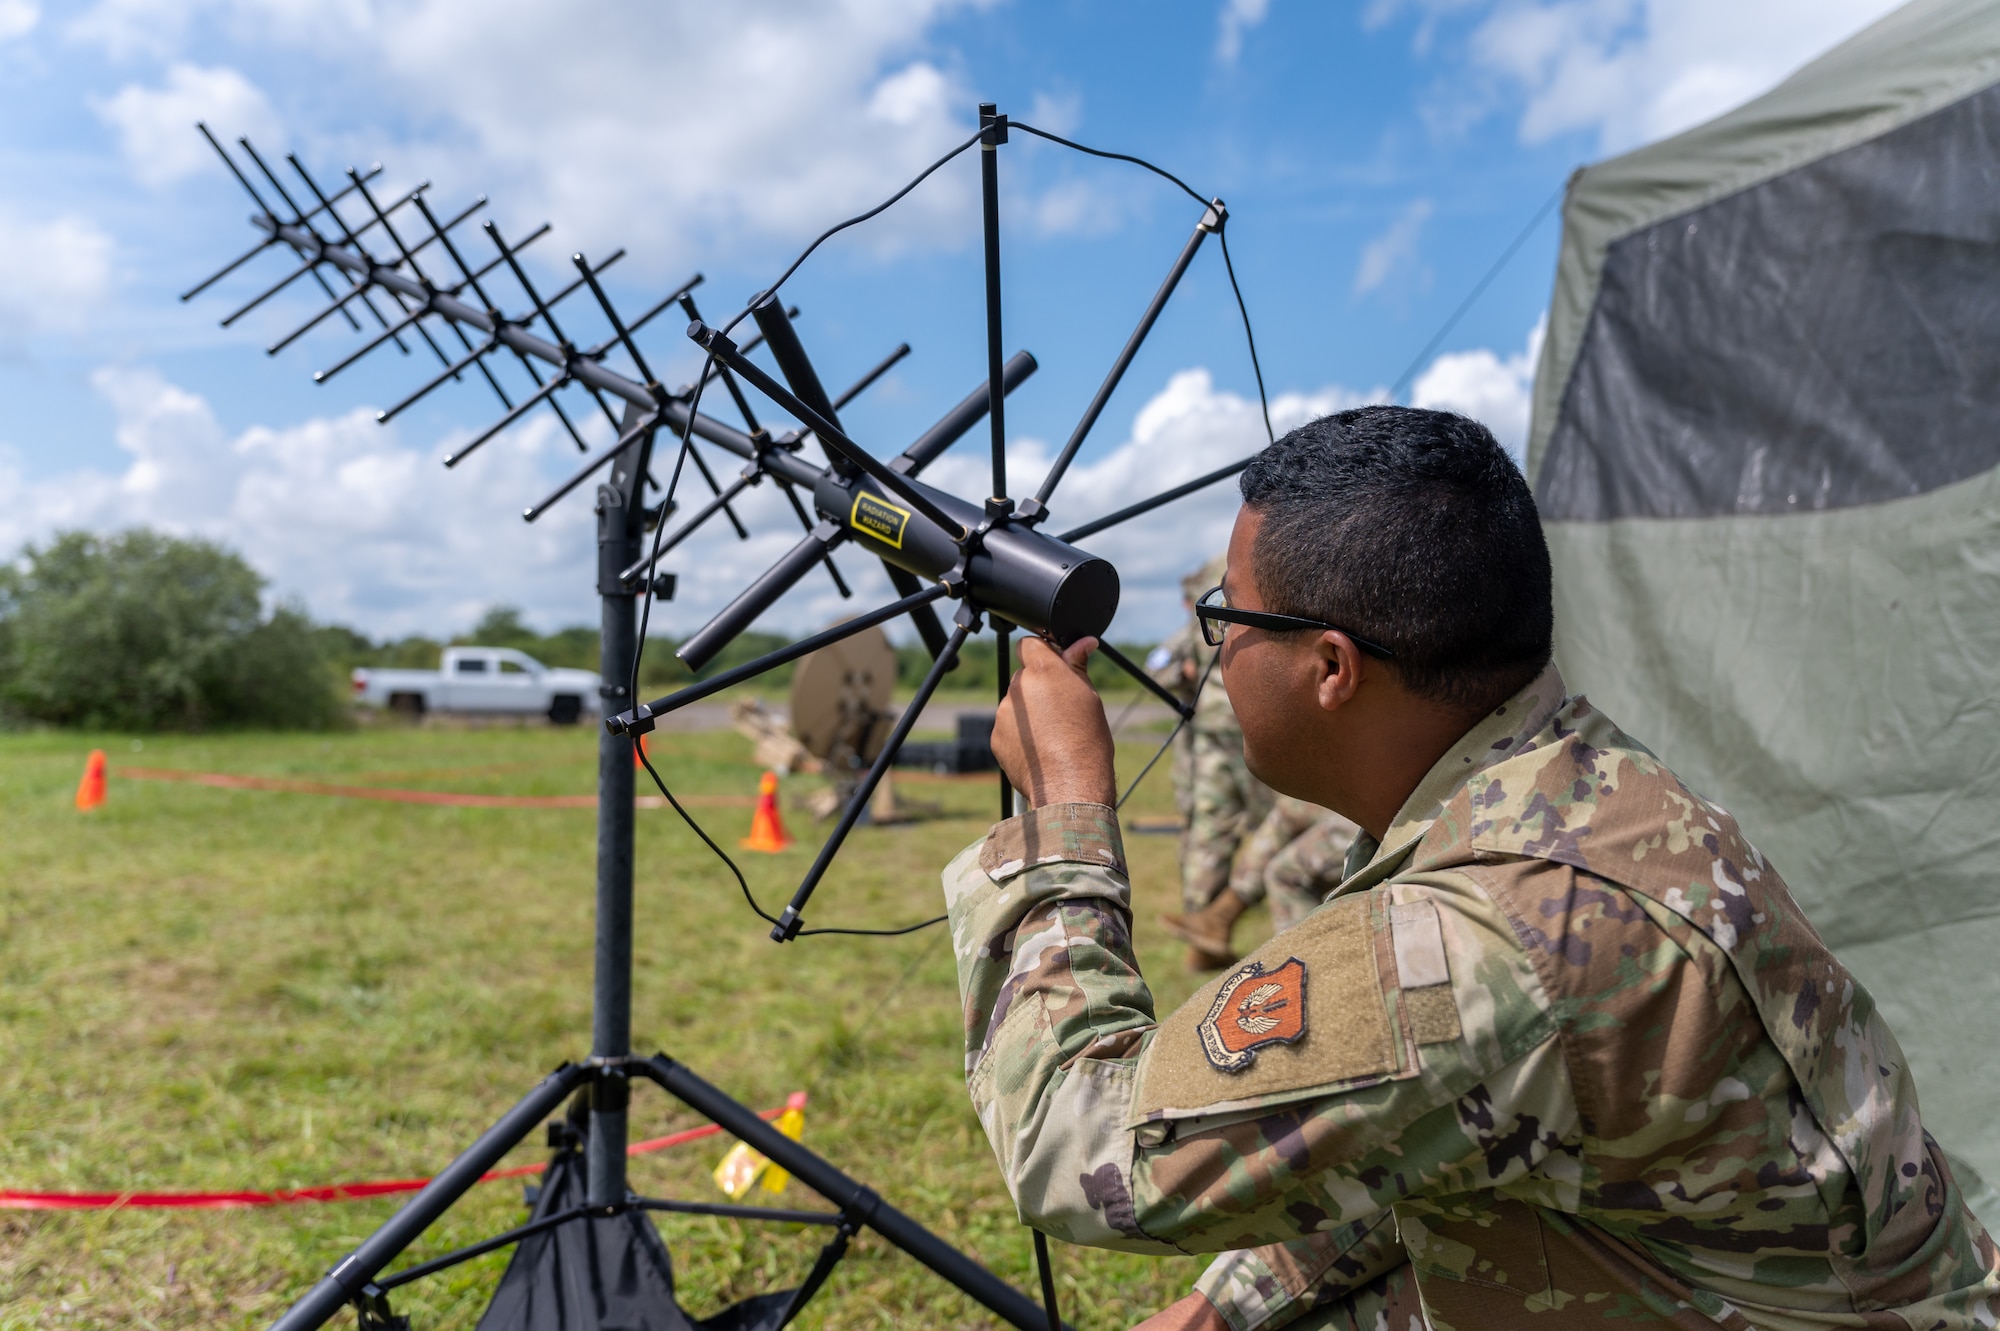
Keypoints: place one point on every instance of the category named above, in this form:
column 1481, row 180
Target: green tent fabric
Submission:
column 1766, row 446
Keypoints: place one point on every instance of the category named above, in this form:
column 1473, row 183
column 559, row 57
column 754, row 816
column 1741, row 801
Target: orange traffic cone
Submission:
column 767, row 830
column 90, row 790
column 645, row 746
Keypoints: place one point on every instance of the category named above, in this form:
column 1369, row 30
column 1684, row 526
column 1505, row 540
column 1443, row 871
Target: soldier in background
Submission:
column 1219, row 802
column 1293, row 858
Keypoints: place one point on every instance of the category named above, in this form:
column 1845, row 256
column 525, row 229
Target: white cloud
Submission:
column 1632, row 71
column 1494, row 391
column 337, row 510
column 1394, row 251
column 914, row 95
column 155, row 126
column 53, row 274
column 18, row 18
column 1238, row 17
column 1077, row 208
column 720, row 125
column 1056, row 112
column 370, row 530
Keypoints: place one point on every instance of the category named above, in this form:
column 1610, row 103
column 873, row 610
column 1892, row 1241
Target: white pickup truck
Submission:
column 488, row 680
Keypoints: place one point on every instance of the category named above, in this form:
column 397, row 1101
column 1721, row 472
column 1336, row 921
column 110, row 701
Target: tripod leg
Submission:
column 1048, row 1271
column 853, row 1198
column 346, row 1280
column 829, row 1257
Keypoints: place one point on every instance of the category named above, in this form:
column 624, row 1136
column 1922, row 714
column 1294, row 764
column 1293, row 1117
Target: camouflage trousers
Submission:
column 1294, row 859
column 1387, row 1303
column 1223, row 803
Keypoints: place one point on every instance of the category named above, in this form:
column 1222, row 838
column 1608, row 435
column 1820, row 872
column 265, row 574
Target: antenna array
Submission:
column 403, row 268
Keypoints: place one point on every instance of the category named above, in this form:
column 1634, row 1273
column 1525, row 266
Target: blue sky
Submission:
column 1376, row 157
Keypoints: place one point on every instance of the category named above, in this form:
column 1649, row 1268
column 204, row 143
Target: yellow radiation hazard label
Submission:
column 879, row 518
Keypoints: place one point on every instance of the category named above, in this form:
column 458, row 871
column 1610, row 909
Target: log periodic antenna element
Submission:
column 590, row 1247
column 991, row 557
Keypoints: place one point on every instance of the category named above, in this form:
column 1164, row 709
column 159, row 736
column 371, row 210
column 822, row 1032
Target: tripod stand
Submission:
column 587, row 1256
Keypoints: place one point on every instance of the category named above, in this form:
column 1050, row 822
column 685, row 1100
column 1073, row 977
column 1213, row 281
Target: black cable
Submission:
column 874, row 933
column 707, row 840
column 839, row 227
column 645, row 624
column 743, row 884
column 686, row 446
column 660, row 528
column 1221, row 234
column 639, row 656
column 1160, row 171
column 1263, row 401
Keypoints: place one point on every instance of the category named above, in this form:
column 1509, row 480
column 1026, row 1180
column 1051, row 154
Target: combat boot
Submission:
column 1207, row 931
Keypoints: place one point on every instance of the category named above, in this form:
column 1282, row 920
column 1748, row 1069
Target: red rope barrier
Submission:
column 448, row 798
column 332, row 1192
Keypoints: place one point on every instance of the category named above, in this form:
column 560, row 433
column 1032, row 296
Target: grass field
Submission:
column 224, row 989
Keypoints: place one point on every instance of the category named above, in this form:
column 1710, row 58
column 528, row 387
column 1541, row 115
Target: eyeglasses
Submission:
column 1215, row 616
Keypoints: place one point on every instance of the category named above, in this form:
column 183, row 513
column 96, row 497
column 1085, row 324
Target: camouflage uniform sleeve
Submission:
column 1425, row 1060
column 1054, row 1008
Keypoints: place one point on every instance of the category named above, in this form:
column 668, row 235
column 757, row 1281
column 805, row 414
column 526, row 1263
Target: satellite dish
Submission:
column 840, row 700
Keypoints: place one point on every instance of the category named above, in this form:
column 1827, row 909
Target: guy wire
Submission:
column 1404, row 379
column 1175, row 733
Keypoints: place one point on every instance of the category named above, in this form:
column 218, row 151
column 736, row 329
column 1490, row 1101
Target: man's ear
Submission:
column 1340, row 665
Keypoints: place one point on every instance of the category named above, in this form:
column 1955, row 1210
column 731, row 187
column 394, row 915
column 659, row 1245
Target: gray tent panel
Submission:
column 1920, row 59
column 1766, row 444
column 1833, row 333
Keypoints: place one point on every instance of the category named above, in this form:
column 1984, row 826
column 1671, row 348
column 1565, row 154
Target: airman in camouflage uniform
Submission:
column 1220, row 803
column 1561, row 1049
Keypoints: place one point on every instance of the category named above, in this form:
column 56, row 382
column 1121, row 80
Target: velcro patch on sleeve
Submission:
column 1423, row 973
column 1433, row 1014
column 1420, row 960
column 1054, row 834
column 1303, row 1012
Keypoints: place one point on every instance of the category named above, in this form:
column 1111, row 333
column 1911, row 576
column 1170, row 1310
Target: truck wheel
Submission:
column 408, row 706
column 565, row 709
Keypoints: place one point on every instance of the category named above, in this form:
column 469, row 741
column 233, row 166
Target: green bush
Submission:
column 144, row 631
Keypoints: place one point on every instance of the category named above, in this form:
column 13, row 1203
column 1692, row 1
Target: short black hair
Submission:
column 1414, row 529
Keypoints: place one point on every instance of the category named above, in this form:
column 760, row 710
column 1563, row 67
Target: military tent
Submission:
column 1766, row 445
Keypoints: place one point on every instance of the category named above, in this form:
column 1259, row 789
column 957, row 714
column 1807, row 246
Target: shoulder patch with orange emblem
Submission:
column 1239, row 1043
column 1254, row 1008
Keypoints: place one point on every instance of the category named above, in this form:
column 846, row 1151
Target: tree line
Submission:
column 146, row 631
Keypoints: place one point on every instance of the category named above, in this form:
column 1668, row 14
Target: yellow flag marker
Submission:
column 742, row 1168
